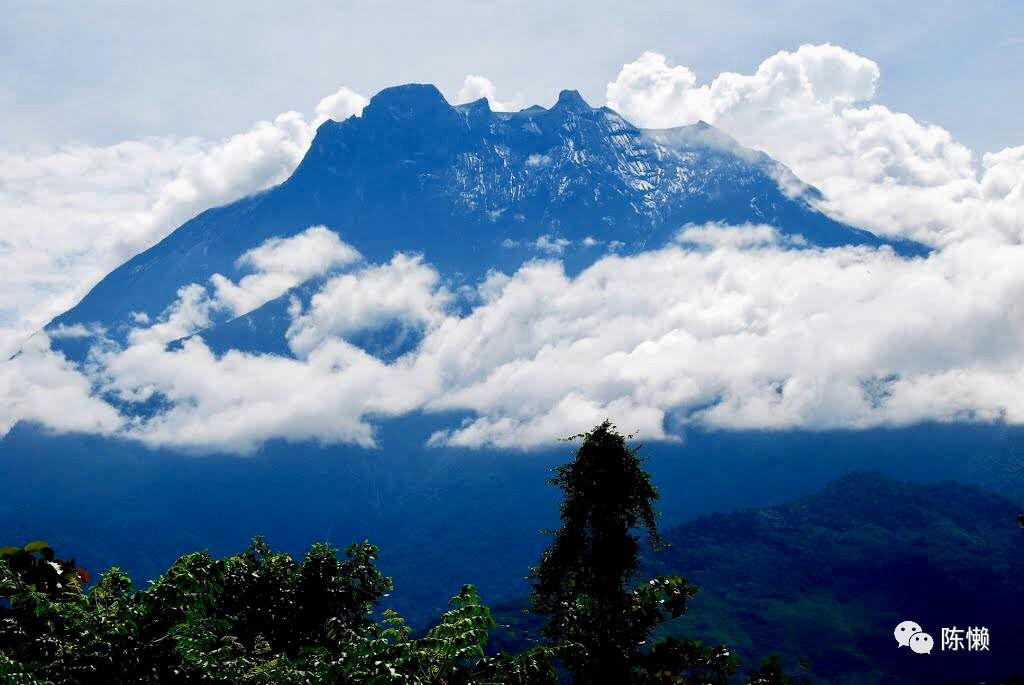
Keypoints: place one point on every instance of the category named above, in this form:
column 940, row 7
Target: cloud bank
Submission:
column 812, row 110
column 729, row 327
column 720, row 332
column 73, row 214
column 282, row 264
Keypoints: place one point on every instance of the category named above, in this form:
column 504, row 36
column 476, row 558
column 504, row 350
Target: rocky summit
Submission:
column 471, row 190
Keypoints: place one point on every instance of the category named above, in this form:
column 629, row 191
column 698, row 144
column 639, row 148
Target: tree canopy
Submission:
column 585, row 580
column 261, row 616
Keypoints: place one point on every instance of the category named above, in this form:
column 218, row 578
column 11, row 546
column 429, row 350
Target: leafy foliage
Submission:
column 262, row 617
column 584, row 580
column 256, row 617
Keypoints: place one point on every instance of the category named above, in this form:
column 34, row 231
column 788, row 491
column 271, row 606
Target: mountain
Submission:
column 471, row 190
column 823, row 581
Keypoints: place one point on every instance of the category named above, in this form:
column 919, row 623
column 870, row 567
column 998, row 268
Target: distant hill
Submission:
column 441, row 517
column 823, row 581
column 828, row 577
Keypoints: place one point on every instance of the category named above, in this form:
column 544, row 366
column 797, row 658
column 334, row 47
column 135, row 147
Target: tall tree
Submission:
column 585, row 580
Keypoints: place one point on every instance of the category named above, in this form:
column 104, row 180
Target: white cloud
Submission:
column 66, row 215
column 404, row 290
column 340, row 106
column 812, row 110
column 77, row 330
column 237, row 401
column 749, row 334
column 40, row 385
column 476, row 87
column 758, row 338
column 552, row 245
column 653, row 94
column 281, row 264
column 72, row 214
column 536, row 160
column 727, row 327
column 721, row 235
column 215, row 402
column 192, row 311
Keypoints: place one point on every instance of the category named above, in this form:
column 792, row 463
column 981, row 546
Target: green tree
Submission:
column 585, row 585
column 255, row 617
column 262, row 617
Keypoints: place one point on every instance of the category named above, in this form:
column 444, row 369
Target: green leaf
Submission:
column 36, row 546
column 6, row 551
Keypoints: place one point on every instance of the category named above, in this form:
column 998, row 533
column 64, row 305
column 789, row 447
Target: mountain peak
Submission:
column 470, row 190
column 406, row 100
column 479, row 103
column 571, row 100
column 478, row 107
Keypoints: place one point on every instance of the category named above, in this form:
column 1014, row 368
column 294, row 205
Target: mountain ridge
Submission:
column 472, row 190
column 852, row 561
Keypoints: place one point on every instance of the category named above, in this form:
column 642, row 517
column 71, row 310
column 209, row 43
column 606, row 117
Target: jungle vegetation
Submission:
column 261, row 616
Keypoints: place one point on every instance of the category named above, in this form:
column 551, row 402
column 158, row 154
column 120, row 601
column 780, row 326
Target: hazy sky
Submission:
column 102, row 72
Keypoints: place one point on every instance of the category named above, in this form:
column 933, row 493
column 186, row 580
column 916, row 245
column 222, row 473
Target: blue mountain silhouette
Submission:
column 472, row 190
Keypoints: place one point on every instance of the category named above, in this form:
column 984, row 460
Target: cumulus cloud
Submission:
column 281, row 264
column 535, row 160
column 67, row 214
column 476, row 87
column 72, row 214
column 723, row 333
column 728, row 326
column 404, row 290
column 237, row 401
column 813, row 110
column 192, row 311
column 339, row 106
column 719, row 235
column 767, row 337
column 40, row 385
column 552, row 245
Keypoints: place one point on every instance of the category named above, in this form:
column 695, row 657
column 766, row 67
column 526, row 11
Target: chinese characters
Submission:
column 971, row 639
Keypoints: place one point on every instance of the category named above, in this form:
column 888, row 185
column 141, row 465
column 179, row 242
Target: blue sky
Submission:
column 102, row 72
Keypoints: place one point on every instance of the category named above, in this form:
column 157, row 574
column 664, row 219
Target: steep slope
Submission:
column 474, row 190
